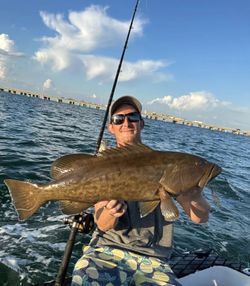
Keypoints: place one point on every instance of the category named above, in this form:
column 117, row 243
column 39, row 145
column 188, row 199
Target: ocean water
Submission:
column 35, row 132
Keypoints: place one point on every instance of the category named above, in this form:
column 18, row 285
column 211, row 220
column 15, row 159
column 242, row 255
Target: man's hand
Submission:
column 114, row 208
column 107, row 213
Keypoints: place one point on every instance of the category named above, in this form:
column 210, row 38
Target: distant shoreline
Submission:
column 150, row 115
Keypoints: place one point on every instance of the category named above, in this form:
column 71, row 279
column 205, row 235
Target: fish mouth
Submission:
column 214, row 171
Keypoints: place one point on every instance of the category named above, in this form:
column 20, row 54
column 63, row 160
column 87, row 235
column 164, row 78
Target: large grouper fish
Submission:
column 130, row 173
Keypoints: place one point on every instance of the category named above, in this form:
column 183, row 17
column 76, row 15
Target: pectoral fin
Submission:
column 147, row 207
column 69, row 207
column 168, row 207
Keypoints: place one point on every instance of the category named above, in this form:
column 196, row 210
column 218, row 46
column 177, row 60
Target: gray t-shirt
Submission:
column 151, row 235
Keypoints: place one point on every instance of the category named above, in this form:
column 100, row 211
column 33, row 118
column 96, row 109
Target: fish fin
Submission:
column 124, row 151
column 147, row 207
column 70, row 207
column 168, row 208
column 69, row 163
column 103, row 146
column 25, row 197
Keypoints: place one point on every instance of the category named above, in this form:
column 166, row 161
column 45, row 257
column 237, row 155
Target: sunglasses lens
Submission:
column 134, row 117
column 118, row 119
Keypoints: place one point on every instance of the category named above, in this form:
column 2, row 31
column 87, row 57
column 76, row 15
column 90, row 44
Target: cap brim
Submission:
column 129, row 100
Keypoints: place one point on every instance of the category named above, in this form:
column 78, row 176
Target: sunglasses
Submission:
column 118, row 119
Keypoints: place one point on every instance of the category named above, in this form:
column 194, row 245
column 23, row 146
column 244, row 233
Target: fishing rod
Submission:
column 115, row 81
column 84, row 221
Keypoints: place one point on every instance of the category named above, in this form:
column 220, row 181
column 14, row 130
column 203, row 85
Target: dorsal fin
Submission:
column 124, row 151
column 71, row 162
column 68, row 163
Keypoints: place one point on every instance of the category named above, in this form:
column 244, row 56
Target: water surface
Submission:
column 35, row 132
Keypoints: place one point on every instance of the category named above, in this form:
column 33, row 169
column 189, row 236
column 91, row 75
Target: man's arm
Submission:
column 195, row 206
column 107, row 213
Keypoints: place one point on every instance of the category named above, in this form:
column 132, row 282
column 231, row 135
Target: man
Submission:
column 126, row 249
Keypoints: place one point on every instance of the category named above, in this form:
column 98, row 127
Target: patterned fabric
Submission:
column 109, row 266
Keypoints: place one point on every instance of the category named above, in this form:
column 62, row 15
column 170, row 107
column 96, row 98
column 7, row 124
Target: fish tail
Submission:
column 25, row 197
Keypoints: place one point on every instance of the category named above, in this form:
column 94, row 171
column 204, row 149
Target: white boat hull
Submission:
column 216, row 276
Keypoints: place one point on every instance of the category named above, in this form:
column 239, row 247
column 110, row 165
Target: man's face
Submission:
column 127, row 132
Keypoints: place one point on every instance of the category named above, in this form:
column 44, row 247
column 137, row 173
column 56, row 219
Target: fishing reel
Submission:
column 83, row 222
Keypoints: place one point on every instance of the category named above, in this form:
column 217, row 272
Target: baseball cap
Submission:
column 127, row 99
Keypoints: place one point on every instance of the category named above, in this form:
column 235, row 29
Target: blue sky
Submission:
column 185, row 58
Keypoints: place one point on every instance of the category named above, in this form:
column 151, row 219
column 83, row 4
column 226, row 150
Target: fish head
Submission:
column 185, row 172
column 212, row 170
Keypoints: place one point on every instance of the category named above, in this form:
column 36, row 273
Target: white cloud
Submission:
column 2, row 70
column 6, row 44
column 7, row 53
column 105, row 69
column 192, row 101
column 202, row 106
column 98, row 66
column 85, row 32
column 161, row 100
column 57, row 59
column 7, row 47
column 144, row 68
column 10, row 54
column 48, row 84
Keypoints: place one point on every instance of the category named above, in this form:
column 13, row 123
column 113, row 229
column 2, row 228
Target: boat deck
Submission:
column 187, row 263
